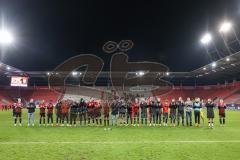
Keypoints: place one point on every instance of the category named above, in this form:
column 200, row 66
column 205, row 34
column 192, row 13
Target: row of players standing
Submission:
column 148, row 111
column 155, row 112
column 66, row 111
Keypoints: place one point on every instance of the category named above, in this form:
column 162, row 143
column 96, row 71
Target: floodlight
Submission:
column 225, row 27
column 206, row 38
column 74, row 73
column 6, row 37
column 140, row 73
column 214, row 64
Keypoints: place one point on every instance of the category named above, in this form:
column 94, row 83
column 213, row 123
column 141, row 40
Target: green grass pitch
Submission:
column 83, row 143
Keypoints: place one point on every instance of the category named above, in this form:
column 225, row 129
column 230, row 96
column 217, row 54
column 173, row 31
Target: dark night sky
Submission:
column 50, row 31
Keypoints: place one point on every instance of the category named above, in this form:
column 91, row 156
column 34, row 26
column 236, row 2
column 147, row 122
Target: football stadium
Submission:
column 125, row 80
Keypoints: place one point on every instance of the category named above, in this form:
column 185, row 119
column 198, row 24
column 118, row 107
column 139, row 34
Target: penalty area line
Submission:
column 113, row 142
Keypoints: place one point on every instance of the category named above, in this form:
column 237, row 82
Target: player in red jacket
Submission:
column 221, row 107
column 42, row 107
column 65, row 111
column 90, row 111
column 50, row 112
column 135, row 112
column 98, row 113
column 165, row 112
column 18, row 112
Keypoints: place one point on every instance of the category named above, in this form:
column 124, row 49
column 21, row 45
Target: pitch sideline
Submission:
column 113, row 142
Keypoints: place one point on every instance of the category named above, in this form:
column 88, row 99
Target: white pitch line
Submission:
column 114, row 142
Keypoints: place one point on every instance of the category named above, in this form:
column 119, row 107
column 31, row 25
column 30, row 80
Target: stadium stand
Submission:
column 9, row 94
column 230, row 93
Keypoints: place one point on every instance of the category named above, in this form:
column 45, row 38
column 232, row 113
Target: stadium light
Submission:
column 140, row 73
column 206, row 38
column 6, row 37
column 225, row 27
column 214, row 64
column 74, row 73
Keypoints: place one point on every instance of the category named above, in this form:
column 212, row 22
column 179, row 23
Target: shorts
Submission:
column 210, row 114
column 91, row 115
column 144, row 115
column 165, row 115
column 18, row 114
column 42, row 114
column 58, row 114
column 106, row 115
column 97, row 114
column 222, row 115
column 49, row 114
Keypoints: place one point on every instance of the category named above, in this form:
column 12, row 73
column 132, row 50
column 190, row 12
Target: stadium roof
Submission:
column 227, row 68
column 10, row 70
